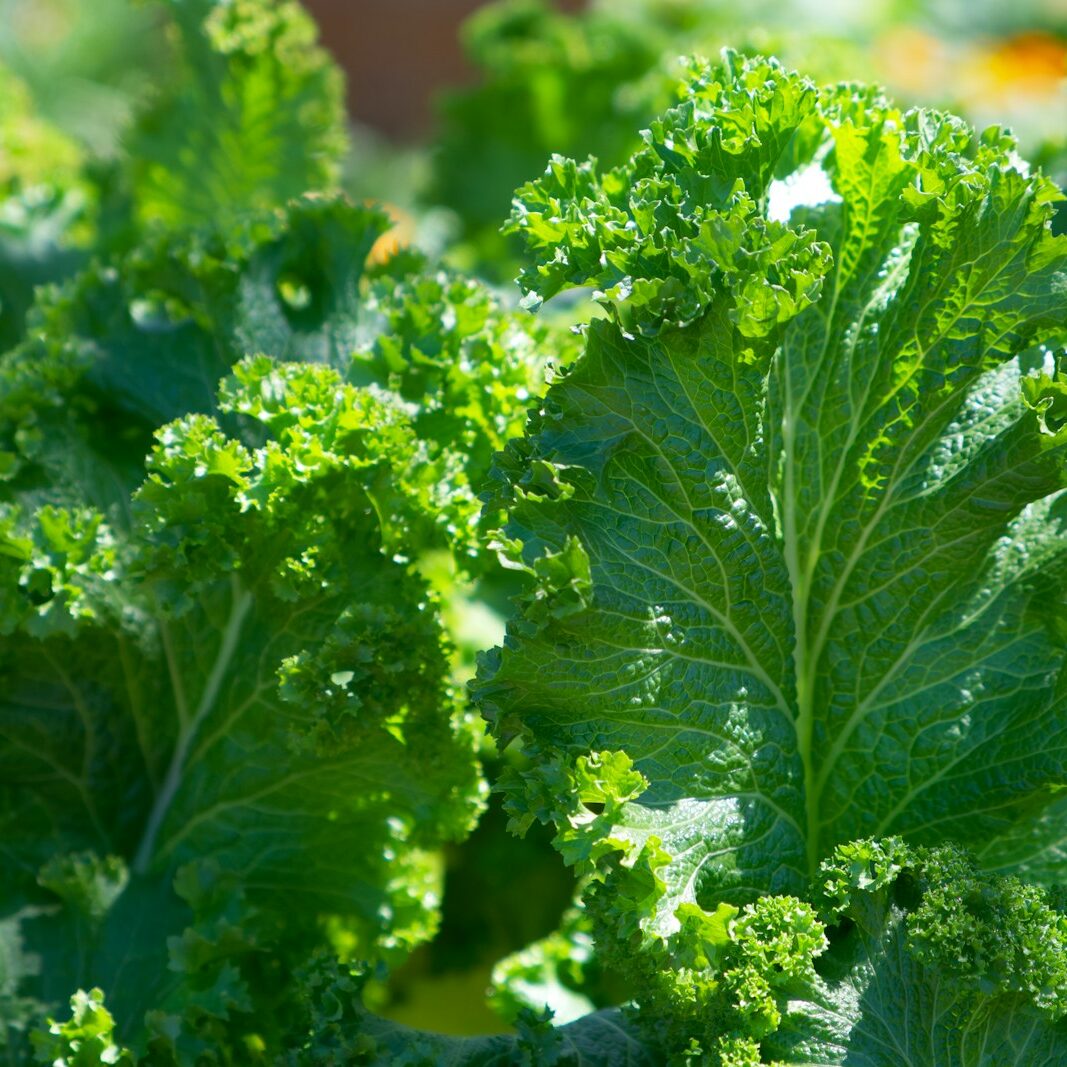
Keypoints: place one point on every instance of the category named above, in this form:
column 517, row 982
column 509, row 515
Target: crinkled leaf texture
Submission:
column 550, row 81
column 130, row 344
column 794, row 520
column 226, row 723
column 84, row 1040
column 907, row 956
column 149, row 335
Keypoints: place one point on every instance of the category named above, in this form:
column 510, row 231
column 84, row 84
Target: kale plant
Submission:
column 788, row 671
column 796, row 529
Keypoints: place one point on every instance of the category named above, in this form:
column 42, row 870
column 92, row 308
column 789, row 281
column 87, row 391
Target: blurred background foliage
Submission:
column 456, row 103
column 453, row 104
column 583, row 84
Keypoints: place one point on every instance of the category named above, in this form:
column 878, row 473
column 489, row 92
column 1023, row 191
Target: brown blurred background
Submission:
column 369, row 38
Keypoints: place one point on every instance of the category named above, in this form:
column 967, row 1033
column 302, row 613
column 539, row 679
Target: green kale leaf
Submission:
column 794, row 520
column 228, row 722
column 127, row 345
column 903, row 956
column 255, row 117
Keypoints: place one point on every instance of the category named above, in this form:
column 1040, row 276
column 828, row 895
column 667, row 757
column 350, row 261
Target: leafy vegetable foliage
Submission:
column 550, row 82
column 126, row 346
column 239, row 708
column 229, row 738
column 907, row 956
column 236, row 687
column 341, row 1030
column 43, row 199
column 795, row 526
column 586, row 80
column 795, row 626
column 902, row 955
column 256, row 118
column 86, row 1038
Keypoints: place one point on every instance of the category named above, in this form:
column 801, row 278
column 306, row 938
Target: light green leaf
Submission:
column 906, row 956
column 44, row 204
column 84, row 1040
column 942, row 968
column 256, row 118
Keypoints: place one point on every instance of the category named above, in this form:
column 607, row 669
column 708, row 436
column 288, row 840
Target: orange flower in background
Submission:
column 1030, row 65
column 987, row 73
column 1019, row 81
column 398, row 236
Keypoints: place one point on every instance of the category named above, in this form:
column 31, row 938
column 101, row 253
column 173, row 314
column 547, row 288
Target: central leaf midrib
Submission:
column 805, row 719
column 808, row 650
column 189, row 725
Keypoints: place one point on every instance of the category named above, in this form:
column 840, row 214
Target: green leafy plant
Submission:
column 237, row 703
column 230, row 738
column 255, row 86
column 585, row 81
column 795, row 527
column 44, row 200
column 787, row 671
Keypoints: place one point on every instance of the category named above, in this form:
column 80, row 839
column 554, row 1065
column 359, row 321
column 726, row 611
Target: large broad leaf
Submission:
column 794, row 516
column 229, row 723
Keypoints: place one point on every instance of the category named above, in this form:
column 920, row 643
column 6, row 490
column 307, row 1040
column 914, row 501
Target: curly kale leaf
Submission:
column 255, row 117
column 84, row 1039
column 464, row 367
column 550, row 81
column 124, row 347
column 128, row 345
column 228, row 722
column 794, row 520
column 904, row 956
